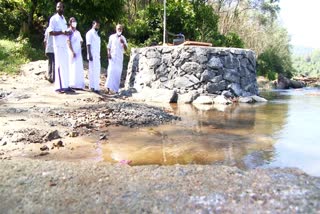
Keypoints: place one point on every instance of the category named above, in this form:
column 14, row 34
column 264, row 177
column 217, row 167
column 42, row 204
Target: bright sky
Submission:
column 302, row 20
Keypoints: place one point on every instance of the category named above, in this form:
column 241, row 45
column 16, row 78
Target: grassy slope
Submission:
column 15, row 53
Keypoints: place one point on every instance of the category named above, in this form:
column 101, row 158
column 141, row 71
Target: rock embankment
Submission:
column 193, row 70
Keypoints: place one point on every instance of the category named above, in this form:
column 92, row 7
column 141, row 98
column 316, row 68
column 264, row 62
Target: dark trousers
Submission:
column 50, row 74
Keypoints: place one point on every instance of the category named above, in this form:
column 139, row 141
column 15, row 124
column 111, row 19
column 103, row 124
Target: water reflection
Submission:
column 298, row 142
column 246, row 136
column 202, row 136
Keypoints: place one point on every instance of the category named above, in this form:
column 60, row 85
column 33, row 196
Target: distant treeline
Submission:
column 307, row 64
column 251, row 24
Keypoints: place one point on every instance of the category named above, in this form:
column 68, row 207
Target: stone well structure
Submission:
column 193, row 69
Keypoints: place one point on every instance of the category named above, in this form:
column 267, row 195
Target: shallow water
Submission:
column 283, row 132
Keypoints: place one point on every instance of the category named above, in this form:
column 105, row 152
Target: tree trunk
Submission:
column 30, row 14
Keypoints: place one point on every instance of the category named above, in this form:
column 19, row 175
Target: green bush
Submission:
column 14, row 53
column 270, row 63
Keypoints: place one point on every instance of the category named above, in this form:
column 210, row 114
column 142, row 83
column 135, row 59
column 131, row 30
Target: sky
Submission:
column 302, row 20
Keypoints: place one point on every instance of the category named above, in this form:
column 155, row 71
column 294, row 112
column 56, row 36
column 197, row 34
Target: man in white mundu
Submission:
column 116, row 47
column 58, row 29
column 93, row 53
column 75, row 56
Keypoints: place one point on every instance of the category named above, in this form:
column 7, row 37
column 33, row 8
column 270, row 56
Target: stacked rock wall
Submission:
column 200, row 70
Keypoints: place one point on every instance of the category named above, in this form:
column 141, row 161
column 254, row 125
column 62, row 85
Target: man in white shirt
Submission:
column 116, row 47
column 48, row 44
column 93, row 54
column 59, row 30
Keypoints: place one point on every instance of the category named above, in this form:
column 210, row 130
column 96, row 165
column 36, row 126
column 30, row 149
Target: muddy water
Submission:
column 283, row 132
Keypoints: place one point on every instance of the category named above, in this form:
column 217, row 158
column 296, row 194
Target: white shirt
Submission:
column 49, row 41
column 93, row 39
column 75, row 39
column 58, row 23
column 115, row 46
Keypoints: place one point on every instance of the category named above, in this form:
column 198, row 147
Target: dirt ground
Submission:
column 42, row 171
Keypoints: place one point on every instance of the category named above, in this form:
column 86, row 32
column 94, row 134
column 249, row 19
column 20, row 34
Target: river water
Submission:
column 283, row 132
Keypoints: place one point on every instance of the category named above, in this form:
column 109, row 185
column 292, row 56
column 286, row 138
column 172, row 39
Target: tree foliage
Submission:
column 276, row 58
column 307, row 65
column 248, row 24
column 196, row 20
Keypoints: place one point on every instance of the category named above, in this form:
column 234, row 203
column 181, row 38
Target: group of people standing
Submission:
column 63, row 49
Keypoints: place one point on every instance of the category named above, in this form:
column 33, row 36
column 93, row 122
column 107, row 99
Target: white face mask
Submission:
column 74, row 24
column 119, row 33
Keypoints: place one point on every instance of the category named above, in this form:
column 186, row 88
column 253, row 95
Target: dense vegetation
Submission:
column 307, row 64
column 13, row 54
column 248, row 24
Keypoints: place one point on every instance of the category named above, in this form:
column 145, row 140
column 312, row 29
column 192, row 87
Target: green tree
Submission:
column 276, row 58
column 195, row 19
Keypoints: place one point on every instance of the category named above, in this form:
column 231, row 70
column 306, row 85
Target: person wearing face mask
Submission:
column 59, row 30
column 93, row 54
column 75, row 57
column 116, row 47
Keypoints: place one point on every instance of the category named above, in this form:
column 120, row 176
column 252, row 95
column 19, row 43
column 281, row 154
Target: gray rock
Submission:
column 296, row 84
column 208, row 75
column 215, row 63
column 217, row 79
column 52, row 136
column 127, row 92
column 232, row 75
column 246, row 100
column 213, row 88
column 259, row 99
column 163, row 79
column 187, row 97
column 166, row 59
column 162, row 70
column 193, row 78
column 157, row 95
column 231, row 62
column 191, row 67
column 221, row 100
column 244, row 62
column 182, row 82
column 236, row 89
column 152, row 53
column 185, row 55
column 153, row 62
column 202, row 99
column 227, row 94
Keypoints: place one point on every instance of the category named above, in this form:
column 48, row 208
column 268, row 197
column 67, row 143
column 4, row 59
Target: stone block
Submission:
column 215, row 63
column 232, row 75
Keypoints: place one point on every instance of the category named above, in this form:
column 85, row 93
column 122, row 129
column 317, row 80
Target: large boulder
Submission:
column 283, row 82
column 156, row 95
column 296, row 84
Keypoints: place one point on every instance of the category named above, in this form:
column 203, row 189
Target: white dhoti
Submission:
column 61, row 68
column 76, row 71
column 94, row 73
column 115, row 66
column 76, row 63
column 114, row 73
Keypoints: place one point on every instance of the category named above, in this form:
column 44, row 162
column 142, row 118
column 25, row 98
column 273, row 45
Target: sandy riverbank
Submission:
column 33, row 115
